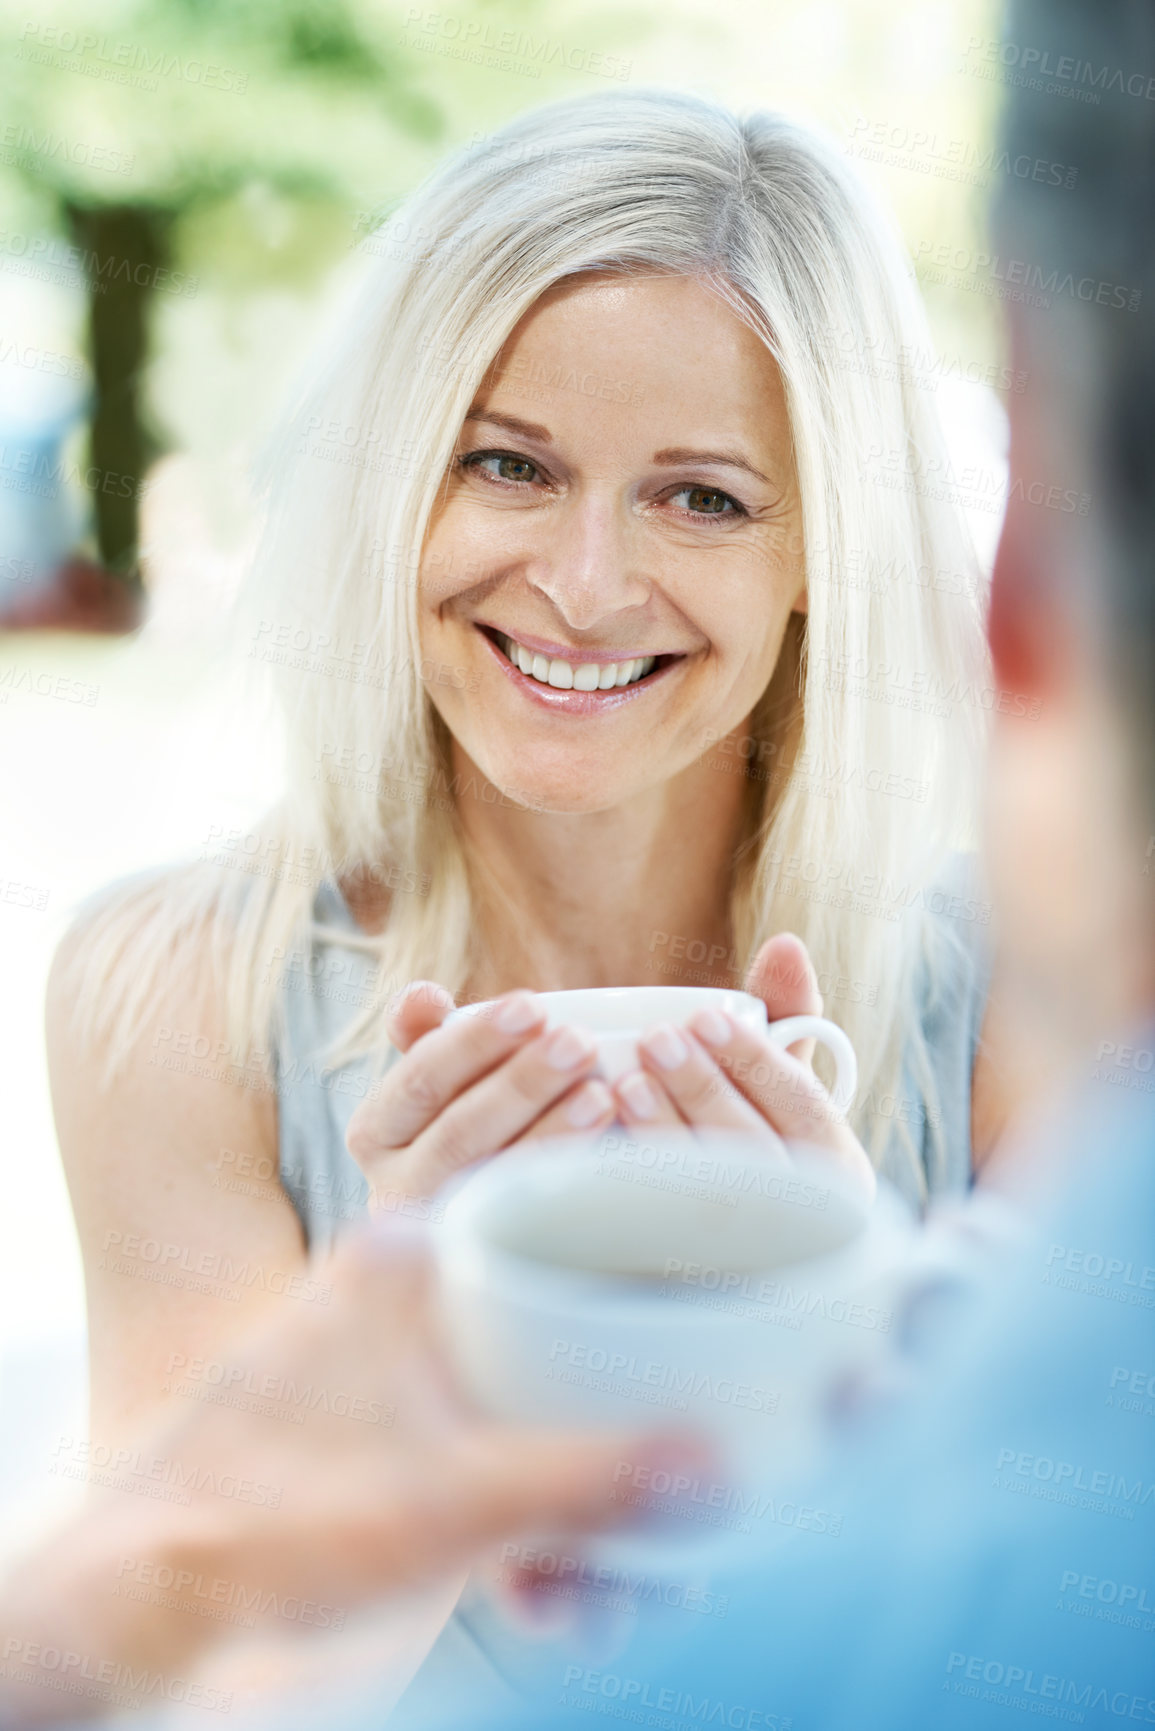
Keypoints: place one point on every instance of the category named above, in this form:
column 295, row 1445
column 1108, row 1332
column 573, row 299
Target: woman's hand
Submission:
column 462, row 1092
column 715, row 1073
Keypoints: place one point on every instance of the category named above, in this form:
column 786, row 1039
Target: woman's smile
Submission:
column 574, row 681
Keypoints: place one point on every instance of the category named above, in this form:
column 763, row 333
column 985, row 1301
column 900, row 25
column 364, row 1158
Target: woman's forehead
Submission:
column 653, row 348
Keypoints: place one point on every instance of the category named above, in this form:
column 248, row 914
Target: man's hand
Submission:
column 372, row 1474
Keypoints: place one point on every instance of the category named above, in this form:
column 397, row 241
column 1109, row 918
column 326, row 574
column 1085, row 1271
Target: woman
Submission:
column 583, row 557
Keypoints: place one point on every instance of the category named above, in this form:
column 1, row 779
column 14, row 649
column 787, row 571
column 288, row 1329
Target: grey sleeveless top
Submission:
column 325, row 983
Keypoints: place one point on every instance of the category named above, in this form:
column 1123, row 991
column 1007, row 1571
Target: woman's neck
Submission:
column 606, row 898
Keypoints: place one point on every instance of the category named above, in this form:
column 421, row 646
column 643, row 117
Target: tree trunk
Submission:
column 125, row 247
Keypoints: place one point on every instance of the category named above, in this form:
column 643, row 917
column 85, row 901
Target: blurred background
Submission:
column 184, row 187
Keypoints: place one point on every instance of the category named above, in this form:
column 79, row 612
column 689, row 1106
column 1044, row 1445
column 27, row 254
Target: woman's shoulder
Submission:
column 113, row 920
column 149, row 1083
column 141, row 953
column 176, row 889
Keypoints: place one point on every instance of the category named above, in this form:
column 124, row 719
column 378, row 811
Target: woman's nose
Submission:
column 590, row 564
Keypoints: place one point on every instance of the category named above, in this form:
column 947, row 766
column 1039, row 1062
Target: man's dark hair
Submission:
column 1081, row 77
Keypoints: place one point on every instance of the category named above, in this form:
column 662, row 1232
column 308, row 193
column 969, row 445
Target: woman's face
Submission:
column 610, row 570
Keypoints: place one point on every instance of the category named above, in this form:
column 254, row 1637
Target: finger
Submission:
column 783, row 976
column 785, row 1091
column 501, row 1107
column 418, row 1088
column 588, row 1107
column 422, row 1006
column 642, row 1100
column 695, row 1083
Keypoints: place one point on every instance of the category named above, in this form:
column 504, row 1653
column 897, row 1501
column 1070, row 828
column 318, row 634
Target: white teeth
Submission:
column 564, row 676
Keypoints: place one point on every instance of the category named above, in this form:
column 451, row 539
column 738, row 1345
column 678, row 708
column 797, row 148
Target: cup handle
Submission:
column 791, row 1028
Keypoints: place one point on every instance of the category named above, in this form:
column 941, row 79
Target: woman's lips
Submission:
column 575, row 702
column 554, row 651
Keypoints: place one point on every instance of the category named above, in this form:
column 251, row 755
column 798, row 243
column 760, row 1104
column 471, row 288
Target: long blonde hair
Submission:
column 853, row 784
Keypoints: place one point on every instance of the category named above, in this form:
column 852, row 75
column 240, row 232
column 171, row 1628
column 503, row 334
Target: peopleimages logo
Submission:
column 703, row 1168
column 302, row 1398
column 211, row 1595
column 635, row 1692
column 575, row 1577
column 1028, row 65
column 1100, row 1276
column 777, row 1301
column 114, row 1681
column 714, row 1503
column 651, row 1379
column 950, row 158
column 474, row 39
column 1016, row 278
column 1057, row 1481
column 96, row 56
column 1106, row 1592
column 1018, row 1686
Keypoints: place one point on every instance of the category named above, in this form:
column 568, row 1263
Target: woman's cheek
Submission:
column 747, row 635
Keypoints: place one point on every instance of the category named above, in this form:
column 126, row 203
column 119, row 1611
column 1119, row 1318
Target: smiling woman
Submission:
column 600, row 645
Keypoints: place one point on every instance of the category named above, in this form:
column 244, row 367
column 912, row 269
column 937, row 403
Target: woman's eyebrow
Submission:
column 668, row 458
column 511, row 423
column 676, row 454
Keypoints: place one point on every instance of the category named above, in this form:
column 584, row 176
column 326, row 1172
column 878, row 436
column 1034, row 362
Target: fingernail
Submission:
column 712, row 1026
column 566, row 1048
column 588, row 1105
column 517, row 1013
column 638, row 1095
column 429, row 992
column 667, row 1047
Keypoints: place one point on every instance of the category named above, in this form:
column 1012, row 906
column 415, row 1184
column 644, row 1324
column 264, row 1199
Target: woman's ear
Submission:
column 801, row 602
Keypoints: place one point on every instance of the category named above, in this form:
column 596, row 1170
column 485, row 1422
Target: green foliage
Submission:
column 169, row 103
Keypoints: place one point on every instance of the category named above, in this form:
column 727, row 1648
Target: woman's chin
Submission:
column 559, row 802
column 517, row 789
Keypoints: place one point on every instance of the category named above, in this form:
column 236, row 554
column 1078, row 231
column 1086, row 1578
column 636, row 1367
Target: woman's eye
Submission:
column 709, row 502
column 509, row 466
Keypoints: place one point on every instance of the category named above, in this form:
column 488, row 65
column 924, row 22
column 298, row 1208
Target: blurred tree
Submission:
column 129, row 126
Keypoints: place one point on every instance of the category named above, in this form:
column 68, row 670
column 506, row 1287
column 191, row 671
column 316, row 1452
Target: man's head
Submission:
column 1073, row 600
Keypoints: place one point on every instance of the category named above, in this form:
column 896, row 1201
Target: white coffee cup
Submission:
column 617, row 1015
column 675, row 1281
